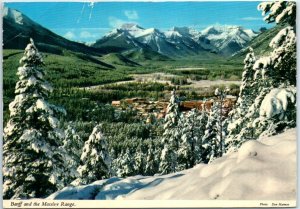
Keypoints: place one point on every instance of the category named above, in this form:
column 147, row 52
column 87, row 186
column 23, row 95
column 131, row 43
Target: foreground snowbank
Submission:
column 260, row 170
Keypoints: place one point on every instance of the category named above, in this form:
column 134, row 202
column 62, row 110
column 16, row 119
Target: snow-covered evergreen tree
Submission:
column 139, row 161
column 246, row 91
column 192, row 127
column 125, row 164
column 33, row 163
column 274, row 109
column 171, row 137
column 150, row 168
column 114, row 164
column 279, row 12
column 168, row 160
column 214, row 138
column 237, row 132
column 95, row 159
column 281, row 61
column 201, row 128
column 73, row 144
column 211, row 137
column 277, row 111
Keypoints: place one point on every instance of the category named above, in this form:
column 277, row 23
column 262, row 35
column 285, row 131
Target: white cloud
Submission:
column 82, row 34
column 131, row 14
column 70, row 35
column 86, row 34
column 251, row 18
column 115, row 22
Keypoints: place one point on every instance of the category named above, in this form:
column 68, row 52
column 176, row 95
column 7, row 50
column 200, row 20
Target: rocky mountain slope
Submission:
column 179, row 41
column 260, row 43
column 18, row 29
column 226, row 40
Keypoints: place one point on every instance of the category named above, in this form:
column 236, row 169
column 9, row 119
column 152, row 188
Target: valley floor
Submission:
column 165, row 78
column 263, row 169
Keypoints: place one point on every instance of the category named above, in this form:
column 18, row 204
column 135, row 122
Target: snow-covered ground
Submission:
column 263, row 169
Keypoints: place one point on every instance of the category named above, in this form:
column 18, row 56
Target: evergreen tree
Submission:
column 273, row 109
column 73, row 144
column 246, row 94
column 33, row 162
column 203, row 120
column 279, row 12
column 168, row 160
column 193, row 128
column 211, row 138
column 125, row 164
column 139, row 161
column 114, row 158
column 171, row 136
column 277, row 110
column 150, row 168
column 95, row 160
column 238, row 133
column 214, row 138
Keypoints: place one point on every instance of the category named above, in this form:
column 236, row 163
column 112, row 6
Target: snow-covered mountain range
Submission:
column 173, row 43
column 179, row 41
column 227, row 39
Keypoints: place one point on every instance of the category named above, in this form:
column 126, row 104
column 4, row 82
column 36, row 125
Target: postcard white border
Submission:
column 147, row 203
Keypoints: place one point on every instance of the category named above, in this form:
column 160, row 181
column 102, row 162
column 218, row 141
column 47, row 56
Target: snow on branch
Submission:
column 286, row 34
column 279, row 11
column 277, row 101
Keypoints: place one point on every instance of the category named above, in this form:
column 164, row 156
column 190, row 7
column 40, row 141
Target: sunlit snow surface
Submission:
column 263, row 169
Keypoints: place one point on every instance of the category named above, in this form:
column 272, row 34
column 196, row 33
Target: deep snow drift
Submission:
column 261, row 170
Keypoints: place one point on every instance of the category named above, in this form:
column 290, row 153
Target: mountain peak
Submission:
column 152, row 30
column 131, row 26
column 217, row 29
column 13, row 15
column 227, row 38
column 181, row 29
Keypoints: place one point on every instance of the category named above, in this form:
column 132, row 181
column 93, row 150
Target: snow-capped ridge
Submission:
column 250, row 32
column 14, row 15
column 184, row 41
column 172, row 34
column 150, row 32
column 217, row 29
column 227, row 39
column 182, row 30
column 131, row 26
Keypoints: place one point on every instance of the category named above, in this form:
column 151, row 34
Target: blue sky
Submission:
column 86, row 22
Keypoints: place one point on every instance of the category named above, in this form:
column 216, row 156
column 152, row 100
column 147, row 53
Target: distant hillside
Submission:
column 260, row 44
column 141, row 55
column 118, row 59
column 18, row 29
column 69, row 69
